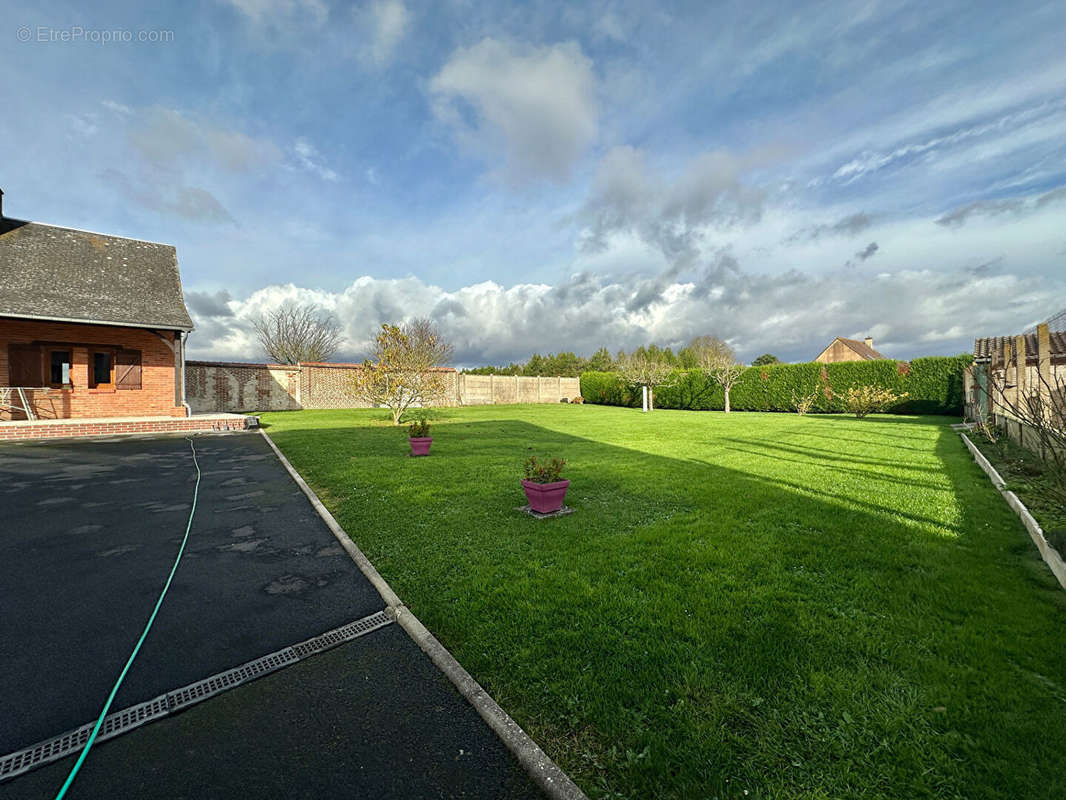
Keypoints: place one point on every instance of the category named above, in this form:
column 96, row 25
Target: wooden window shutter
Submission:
column 128, row 369
column 24, row 365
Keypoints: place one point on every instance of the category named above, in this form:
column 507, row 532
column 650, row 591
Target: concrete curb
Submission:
column 1047, row 552
column 545, row 772
column 984, row 463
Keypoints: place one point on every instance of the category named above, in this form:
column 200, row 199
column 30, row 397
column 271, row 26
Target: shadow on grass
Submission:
column 695, row 629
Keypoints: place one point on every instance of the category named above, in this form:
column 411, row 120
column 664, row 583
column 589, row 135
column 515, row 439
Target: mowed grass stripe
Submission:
column 793, row 606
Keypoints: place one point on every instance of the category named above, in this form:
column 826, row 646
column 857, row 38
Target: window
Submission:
column 101, row 369
column 59, row 368
column 24, row 365
column 128, row 369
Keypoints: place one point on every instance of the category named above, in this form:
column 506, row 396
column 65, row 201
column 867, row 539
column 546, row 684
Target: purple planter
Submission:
column 545, row 498
column 420, row 445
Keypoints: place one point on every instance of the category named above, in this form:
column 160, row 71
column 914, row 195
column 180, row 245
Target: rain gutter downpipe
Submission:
column 183, row 337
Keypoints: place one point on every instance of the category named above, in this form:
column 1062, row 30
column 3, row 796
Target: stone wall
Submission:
column 228, row 386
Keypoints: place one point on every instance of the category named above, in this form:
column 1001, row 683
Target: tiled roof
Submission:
column 983, row 348
column 861, row 348
column 60, row 273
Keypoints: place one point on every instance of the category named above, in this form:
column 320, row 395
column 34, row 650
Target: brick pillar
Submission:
column 1010, row 377
column 1021, row 365
column 1043, row 352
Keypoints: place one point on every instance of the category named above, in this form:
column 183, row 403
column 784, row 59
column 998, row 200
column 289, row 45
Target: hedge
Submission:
column 933, row 386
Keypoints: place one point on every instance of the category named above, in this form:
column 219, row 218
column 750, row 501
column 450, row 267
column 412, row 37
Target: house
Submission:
column 1007, row 369
column 842, row 349
column 991, row 348
column 91, row 325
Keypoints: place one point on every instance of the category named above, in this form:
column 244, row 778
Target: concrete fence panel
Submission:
column 234, row 386
column 476, row 390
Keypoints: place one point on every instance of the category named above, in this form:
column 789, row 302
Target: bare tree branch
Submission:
column 1035, row 398
column 642, row 369
column 719, row 361
column 294, row 333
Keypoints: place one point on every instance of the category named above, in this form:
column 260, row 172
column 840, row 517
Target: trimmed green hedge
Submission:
column 933, row 386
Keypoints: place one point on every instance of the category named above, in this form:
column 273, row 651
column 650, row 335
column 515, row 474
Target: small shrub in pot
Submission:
column 418, row 436
column 544, row 485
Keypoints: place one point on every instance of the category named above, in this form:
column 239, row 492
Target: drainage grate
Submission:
column 129, row 718
column 73, row 741
column 201, row 690
column 345, row 633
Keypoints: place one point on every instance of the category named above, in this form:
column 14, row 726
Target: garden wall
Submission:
column 933, row 386
column 498, row 390
column 235, row 386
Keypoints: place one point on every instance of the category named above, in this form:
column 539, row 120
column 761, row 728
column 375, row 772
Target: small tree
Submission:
column 863, row 400
column 641, row 368
column 405, row 370
column 718, row 360
column 765, row 360
column 294, row 333
column 803, row 403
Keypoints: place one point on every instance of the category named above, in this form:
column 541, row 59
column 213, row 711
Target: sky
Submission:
column 538, row 177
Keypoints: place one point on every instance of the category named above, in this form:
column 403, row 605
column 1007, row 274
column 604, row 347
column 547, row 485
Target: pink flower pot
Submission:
column 545, row 498
column 420, row 445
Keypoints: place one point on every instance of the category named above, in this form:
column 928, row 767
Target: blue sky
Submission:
column 547, row 176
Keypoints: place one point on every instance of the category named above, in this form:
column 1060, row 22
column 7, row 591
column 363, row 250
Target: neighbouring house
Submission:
column 1005, row 368
column 842, row 349
column 91, row 325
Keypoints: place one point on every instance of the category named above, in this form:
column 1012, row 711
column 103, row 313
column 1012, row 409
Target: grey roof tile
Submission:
column 62, row 273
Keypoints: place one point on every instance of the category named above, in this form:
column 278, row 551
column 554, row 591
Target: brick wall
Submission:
column 52, row 430
column 231, row 386
column 156, row 397
column 215, row 386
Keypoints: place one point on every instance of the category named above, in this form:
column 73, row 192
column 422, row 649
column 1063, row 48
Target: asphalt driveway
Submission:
column 88, row 532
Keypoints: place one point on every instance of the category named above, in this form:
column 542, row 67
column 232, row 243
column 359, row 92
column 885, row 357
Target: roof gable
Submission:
column 861, row 348
column 857, row 347
column 48, row 272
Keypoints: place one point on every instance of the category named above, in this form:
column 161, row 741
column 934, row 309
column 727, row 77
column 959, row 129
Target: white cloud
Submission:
column 273, row 13
column 176, row 161
column 384, row 23
column 534, row 105
column 117, row 107
column 910, row 312
column 308, row 157
column 672, row 214
column 170, row 139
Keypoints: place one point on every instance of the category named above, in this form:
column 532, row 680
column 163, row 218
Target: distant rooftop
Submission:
column 862, row 348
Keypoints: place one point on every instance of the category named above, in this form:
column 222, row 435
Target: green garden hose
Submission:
column 144, row 635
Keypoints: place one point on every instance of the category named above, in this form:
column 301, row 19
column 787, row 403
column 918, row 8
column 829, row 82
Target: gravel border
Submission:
column 545, row 772
column 1047, row 552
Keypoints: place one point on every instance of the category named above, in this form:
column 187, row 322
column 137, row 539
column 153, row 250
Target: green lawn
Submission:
column 751, row 605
